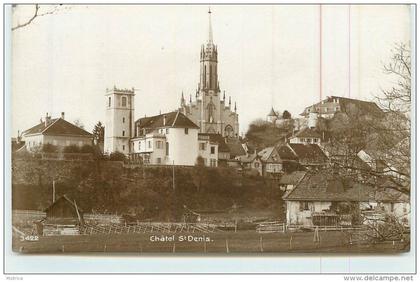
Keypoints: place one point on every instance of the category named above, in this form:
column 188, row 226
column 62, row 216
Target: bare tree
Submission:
column 385, row 137
column 38, row 11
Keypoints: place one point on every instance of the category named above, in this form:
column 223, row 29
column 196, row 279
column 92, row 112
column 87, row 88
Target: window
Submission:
column 149, row 144
column 123, row 147
column 315, row 140
column 123, row 119
column 302, row 140
column 167, row 131
column 304, row 206
column 124, row 101
column 202, row 146
column 167, row 148
column 186, row 130
column 257, row 165
column 109, row 101
column 139, row 145
column 212, row 150
column 123, row 133
column 159, row 160
column 213, row 162
column 159, row 144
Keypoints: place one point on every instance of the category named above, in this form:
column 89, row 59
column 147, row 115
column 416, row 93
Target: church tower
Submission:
column 209, row 111
column 208, row 65
column 119, row 120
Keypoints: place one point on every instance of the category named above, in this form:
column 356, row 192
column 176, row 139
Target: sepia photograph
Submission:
column 211, row 130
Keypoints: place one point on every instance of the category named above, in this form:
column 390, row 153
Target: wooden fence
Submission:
column 142, row 227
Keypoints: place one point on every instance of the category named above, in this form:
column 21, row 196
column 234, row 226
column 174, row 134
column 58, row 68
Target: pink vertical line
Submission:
column 349, row 23
column 320, row 52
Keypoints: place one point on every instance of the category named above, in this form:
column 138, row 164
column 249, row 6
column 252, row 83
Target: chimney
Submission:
column 62, row 115
column 46, row 119
column 164, row 120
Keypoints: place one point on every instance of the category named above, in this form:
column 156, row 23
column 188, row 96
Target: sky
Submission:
column 269, row 56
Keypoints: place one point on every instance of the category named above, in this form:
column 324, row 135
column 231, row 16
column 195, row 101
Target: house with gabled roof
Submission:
column 325, row 198
column 272, row 160
column 57, row 132
column 166, row 139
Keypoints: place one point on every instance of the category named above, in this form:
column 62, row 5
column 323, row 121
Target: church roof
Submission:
column 57, row 126
column 172, row 119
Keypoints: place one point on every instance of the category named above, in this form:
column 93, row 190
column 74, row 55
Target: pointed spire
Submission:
column 190, row 99
column 210, row 28
column 224, row 95
column 235, row 106
column 230, row 102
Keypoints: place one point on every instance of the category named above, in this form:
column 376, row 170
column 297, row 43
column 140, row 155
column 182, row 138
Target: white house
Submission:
column 57, row 132
column 208, row 149
column 169, row 138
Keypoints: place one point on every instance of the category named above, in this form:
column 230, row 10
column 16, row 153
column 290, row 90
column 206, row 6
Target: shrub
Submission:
column 71, row 149
column 86, row 149
column 49, row 148
column 117, row 156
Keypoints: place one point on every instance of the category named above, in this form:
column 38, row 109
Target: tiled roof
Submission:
column 286, row 153
column 57, row 126
column 236, row 149
column 265, row 154
column 173, row 119
column 324, row 186
column 311, row 153
column 292, row 178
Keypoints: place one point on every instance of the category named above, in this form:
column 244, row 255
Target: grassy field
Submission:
column 220, row 243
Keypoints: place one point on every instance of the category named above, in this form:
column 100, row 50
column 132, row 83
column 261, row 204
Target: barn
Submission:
column 63, row 217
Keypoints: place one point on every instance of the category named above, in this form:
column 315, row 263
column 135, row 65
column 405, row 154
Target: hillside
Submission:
column 147, row 193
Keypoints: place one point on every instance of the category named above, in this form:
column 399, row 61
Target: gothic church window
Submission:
column 124, row 101
column 109, row 101
column 210, row 111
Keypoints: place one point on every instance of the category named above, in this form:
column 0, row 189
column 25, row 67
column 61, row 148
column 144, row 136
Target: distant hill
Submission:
column 262, row 134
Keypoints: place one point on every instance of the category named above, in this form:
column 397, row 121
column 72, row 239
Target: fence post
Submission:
column 173, row 248
column 261, row 244
column 236, row 225
column 290, row 242
column 205, row 247
column 227, row 246
column 104, row 248
column 62, row 248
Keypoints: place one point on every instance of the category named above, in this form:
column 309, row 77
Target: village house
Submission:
column 327, row 199
column 307, row 136
column 272, row 161
column 208, row 149
column 57, row 132
column 166, row 139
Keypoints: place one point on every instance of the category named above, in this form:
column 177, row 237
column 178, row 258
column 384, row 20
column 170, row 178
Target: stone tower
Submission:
column 119, row 120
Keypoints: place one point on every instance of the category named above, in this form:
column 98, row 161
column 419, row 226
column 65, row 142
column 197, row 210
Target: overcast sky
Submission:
column 268, row 56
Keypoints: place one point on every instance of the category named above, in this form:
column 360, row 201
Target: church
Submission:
column 209, row 111
column 174, row 137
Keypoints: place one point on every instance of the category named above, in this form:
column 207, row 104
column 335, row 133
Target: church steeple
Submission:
column 208, row 59
column 210, row 40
